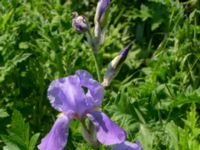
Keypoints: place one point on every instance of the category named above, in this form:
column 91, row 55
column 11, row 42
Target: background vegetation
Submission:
column 155, row 97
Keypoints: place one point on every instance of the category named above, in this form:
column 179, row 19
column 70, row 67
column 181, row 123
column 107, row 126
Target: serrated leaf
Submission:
column 18, row 133
column 3, row 113
column 19, row 127
column 155, row 25
column 146, row 137
column 172, row 131
column 11, row 146
column 33, row 141
column 145, row 12
column 14, row 140
column 23, row 45
column 10, row 64
column 6, row 19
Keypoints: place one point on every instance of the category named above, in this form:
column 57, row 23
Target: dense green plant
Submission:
column 155, row 96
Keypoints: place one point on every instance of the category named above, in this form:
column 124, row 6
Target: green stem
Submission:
column 97, row 67
column 94, row 53
column 90, row 135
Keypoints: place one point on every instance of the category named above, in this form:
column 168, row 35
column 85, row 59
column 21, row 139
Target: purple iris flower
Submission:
column 67, row 95
column 128, row 146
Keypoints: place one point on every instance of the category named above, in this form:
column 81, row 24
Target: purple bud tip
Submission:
column 80, row 23
column 125, row 51
column 103, row 4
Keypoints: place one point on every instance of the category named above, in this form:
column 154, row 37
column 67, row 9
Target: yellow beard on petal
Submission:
column 60, row 114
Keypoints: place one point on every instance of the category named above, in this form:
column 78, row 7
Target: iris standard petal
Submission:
column 66, row 94
column 128, row 146
column 107, row 131
column 95, row 90
column 56, row 139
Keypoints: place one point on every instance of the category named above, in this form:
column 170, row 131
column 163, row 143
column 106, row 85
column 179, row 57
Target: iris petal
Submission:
column 66, row 94
column 95, row 91
column 107, row 131
column 128, row 146
column 56, row 139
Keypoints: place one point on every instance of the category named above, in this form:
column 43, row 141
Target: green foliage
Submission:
column 156, row 95
column 18, row 137
column 3, row 113
column 186, row 137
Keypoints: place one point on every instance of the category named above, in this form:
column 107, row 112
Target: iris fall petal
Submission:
column 128, row 146
column 56, row 139
column 107, row 131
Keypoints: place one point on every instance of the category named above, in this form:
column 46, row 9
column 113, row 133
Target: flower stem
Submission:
column 89, row 134
column 94, row 46
column 97, row 67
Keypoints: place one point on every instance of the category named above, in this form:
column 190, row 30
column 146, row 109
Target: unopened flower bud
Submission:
column 100, row 20
column 101, row 10
column 80, row 23
column 114, row 66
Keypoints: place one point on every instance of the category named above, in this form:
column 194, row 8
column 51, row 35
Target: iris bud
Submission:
column 101, row 10
column 115, row 65
column 79, row 23
column 100, row 20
